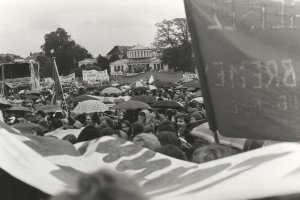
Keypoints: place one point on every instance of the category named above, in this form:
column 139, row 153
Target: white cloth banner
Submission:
column 94, row 76
column 67, row 79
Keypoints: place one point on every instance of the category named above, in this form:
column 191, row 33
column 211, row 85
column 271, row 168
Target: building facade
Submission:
column 139, row 59
column 87, row 62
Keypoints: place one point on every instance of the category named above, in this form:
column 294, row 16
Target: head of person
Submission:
column 167, row 137
column 172, row 151
column 106, row 122
column 126, row 127
column 89, row 120
column 182, row 120
column 137, row 128
column 40, row 115
column 147, row 140
column 65, row 123
column 212, row 152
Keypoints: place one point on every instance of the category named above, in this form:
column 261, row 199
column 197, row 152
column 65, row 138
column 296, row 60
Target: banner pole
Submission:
column 62, row 91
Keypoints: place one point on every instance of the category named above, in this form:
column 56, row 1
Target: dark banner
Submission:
column 248, row 57
column 15, row 70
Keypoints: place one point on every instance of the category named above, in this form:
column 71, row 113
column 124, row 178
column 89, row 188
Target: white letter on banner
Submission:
column 289, row 74
column 272, row 70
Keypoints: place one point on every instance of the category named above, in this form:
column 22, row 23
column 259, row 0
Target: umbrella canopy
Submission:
column 198, row 99
column 37, row 93
column 180, row 87
column 20, row 108
column 84, row 98
column 49, row 108
column 167, row 104
column 90, row 106
column 23, row 91
column 30, row 96
column 131, row 105
column 192, row 84
column 4, row 102
column 102, row 87
column 186, row 80
column 164, row 84
column 29, row 127
column 138, row 84
column 152, row 87
column 111, row 90
column 146, row 99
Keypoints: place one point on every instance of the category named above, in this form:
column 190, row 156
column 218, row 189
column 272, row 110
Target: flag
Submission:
column 151, row 79
column 34, row 78
column 247, row 59
column 57, row 86
column 53, row 166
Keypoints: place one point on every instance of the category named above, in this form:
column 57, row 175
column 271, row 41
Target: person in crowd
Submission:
column 106, row 185
column 212, row 152
column 126, row 128
column 168, row 137
column 137, row 128
column 172, row 151
column 146, row 140
column 145, row 118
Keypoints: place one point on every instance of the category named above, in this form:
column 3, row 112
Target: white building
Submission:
column 139, row 59
column 88, row 62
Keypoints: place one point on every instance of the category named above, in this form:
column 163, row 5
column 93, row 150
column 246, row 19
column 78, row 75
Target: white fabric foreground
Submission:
column 52, row 166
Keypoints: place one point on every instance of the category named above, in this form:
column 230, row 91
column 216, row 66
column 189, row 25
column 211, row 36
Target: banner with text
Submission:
column 94, row 76
column 248, row 60
column 67, row 79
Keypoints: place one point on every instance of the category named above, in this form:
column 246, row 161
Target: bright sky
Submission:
column 97, row 25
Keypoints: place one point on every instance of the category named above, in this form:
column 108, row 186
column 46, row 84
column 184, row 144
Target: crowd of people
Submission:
column 163, row 130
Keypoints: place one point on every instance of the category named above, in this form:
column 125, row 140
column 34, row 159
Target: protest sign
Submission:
column 247, row 55
column 94, row 76
column 67, row 79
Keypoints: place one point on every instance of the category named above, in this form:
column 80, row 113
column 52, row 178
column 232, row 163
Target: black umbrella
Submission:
column 146, row 99
column 167, row 104
column 83, row 98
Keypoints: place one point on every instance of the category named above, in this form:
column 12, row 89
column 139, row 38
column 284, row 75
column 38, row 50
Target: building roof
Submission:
column 119, row 50
column 88, row 60
column 119, row 62
column 139, row 47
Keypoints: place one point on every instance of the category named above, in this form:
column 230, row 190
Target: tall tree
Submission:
column 102, row 62
column 67, row 53
column 173, row 38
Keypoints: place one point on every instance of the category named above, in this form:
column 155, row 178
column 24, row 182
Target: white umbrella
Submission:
column 152, row 87
column 90, row 106
column 198, row 99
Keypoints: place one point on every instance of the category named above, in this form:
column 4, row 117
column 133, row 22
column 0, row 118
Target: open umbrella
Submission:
column 139, row 86
column 111, row 90
column 49, row 108
column 131, row 105
column 167, row 104
column 102, row 87
column 84, row 98
column 198, row 99
column 31, row 96
column 4, row 102
column 146, row 99
column 152, row 87
column 20, row 108
column 164, row 84
column 90, row 106
column 29, row 127
column 37, row 93
column 192, row 84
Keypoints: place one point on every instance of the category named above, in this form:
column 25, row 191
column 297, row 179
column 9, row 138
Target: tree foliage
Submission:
column 103, row 62
column 173, row 38
column 67, row 53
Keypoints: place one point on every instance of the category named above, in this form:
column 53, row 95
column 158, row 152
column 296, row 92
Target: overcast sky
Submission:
column 97, row 25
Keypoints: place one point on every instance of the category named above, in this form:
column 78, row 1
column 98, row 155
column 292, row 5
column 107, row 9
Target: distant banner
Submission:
column 53, row 166
column 190, row 75
column 248, row 63
column 17, row 82
column 67, row 79
column 94, row 76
